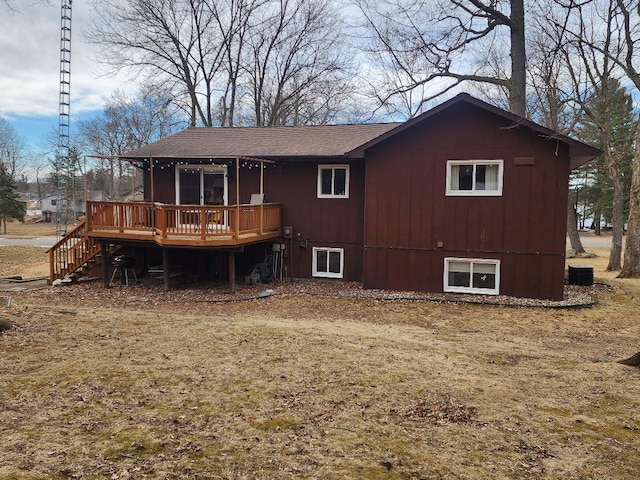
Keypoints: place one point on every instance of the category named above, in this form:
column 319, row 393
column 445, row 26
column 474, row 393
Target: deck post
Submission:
column 153, row 198
column 262, row 196
column 105, row 266
column 237, row 225
column 232, row 271
column 166, row 274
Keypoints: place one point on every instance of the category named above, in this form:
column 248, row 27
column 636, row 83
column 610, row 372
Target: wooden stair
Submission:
column 74, row 255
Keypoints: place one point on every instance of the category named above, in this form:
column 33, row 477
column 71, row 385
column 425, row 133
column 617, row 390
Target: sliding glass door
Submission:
column 201, row 185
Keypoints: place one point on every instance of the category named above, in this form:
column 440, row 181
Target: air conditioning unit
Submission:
column 581, row 275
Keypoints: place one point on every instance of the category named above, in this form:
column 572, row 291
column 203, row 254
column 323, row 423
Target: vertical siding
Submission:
column 407, row 212
column 322, row 222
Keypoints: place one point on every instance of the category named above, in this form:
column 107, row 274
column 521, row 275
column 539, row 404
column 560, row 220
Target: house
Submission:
column 54, row 205
column 465, row 198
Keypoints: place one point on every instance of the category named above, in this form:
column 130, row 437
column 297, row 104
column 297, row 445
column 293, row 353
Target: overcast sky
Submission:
column 30, row 69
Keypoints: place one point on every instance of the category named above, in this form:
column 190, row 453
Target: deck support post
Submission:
column 105, row 266
column 166, row 274
column 237, row 225
column 232, row 271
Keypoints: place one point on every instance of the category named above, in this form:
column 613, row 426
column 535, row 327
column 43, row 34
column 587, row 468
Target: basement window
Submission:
column 333, row 181
column 464, row 275
column 328, row 262
column 474, row 178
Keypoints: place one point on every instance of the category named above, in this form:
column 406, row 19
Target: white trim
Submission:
column 332, row 167
column 327, row 274
column 471, row 289
column 474, row 193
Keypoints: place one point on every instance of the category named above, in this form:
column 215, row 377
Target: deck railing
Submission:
column 71, row 252
column 201, row 223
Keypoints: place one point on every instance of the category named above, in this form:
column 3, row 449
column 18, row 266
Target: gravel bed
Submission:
column 574, row 296
column 211, row 292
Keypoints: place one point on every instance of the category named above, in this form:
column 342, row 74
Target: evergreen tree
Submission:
column 11, row 208
column 609, row 124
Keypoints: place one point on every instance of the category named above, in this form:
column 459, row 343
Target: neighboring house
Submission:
column 465, row 198
column 54, row 205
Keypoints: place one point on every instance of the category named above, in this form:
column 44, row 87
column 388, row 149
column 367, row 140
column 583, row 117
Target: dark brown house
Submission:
column 465, row 198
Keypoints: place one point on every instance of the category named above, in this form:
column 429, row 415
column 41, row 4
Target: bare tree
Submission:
column 262, row 62
column 624, row 33
column 295, row 58
column 588, row 57
column 126, row 124
column 551, row 103
column 11, row 150
column 9, row 4
column 454, row 40
column 177, row 41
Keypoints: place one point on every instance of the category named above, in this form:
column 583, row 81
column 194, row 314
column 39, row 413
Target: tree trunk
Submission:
column 572, row 229
column 615, row 255
column 597, row 219
column 517, row 91
column 631, row 268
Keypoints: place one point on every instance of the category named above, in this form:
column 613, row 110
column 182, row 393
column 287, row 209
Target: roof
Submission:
column 579, row 152
column 264, row 142
column 325, row 141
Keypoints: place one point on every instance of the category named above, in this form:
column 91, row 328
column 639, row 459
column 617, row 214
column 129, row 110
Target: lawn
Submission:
column 24, row 261
column 138, row 383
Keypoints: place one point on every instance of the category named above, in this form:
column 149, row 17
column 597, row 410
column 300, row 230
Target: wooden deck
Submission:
column 184, row 225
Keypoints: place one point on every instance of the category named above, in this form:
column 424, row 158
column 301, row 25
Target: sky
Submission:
column 30, row 70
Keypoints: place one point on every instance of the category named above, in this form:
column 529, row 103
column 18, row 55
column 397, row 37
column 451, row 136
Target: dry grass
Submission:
column 134, row 386
column 23, row 261
column 30, row 227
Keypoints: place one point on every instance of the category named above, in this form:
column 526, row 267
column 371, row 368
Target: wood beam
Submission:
column 232, row 270
column 166, row 274
column 105, row 266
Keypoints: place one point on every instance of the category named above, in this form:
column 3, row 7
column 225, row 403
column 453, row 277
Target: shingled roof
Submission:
column 579, row 152
column 323, row 141
column 263, row 142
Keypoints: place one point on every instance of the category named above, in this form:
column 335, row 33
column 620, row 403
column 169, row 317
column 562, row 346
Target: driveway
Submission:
column 594, row 241
column 44, row 241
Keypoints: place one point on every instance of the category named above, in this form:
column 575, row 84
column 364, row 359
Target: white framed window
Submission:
column 333, row 181
column 474, row 177
column 328, row 262
column 472, row 275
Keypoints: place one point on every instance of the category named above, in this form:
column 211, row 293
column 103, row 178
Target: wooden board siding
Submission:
column 407, row 212
column 323, row 222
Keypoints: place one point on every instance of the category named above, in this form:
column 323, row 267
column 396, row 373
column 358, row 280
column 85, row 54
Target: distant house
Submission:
column 54, row 205
column 466, row 198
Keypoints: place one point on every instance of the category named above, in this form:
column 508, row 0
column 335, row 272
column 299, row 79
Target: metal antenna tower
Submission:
column 65, row 96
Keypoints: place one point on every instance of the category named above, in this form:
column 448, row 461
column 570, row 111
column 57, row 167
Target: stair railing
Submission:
column 73, row 251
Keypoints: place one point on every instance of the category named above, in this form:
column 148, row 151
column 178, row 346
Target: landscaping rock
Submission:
column 633, row 361
column 5, row 324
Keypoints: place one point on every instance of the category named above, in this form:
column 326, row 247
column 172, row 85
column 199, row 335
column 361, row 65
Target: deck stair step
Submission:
column 75, row 255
